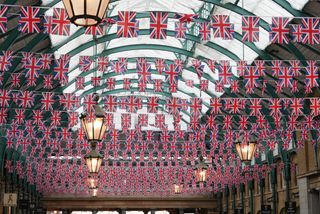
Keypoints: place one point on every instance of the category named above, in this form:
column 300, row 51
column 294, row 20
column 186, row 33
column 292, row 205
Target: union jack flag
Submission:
column 186, row 17
column 310, row 30
column 46, row 60
column 3, row 19
column 95, row 81
column 204, row 84
column 312, row 75
column 279, row 30
column 296, row 106
column 47, row 101
column 32, row 66
column 315, row 106
column 26, row 99
column 80, row 83
column 158, row 25
column 103, row 62
column 250, row 28
column 61, row 68
column 5, row 61
column 198, row 67
column 174, row 105
column 118, row 67
column 251, row 77
column 157, row 85
column 204, row 31
column 96, row 30
column 221, row 26
column 111, row 83
column 85, row 63
column 285, row 77
column 296, row 33
column 212, row 65
column 172, row 72
column 160, row 65
column 47, row 24
column 29, row 21
column 126, row 121
column 225, row 73
column 180, row 29
column 15, row 80
column 60, row 22
column 144, row 72
column 47, row 81
column 126, row 83
column 127, row 24
column 111, row 103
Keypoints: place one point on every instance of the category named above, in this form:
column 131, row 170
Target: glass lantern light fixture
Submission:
column 86, row 12
column 92, row 183
column 246, row 150
column 201, row 171
column 178, row 188
column 94, row 127
column 93, row 160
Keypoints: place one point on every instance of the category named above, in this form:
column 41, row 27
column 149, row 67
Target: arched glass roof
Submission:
column 78, row 44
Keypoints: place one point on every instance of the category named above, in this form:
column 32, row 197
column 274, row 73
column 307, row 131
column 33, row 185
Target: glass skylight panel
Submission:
column 297, row 4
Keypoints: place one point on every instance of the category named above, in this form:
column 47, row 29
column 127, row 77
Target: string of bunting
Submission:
column 280, row 30
column 286, row 76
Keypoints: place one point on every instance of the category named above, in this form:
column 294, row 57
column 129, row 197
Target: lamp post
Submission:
column 201, row 171
column 246, row 150
column 86, row 12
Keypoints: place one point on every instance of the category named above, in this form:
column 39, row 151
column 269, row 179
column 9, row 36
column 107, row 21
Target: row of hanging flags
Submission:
column 67, row 176
column 280, row 30
column 287, row 74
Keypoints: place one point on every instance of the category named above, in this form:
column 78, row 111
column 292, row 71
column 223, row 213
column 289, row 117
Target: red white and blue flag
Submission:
column 158, row 25
column 186, row 17
column 296, row 33
column 310, row 30
column 180, row 30
column 29, row 21
column 279, row 30
column 60, row 22
column 285, row 77
column 127, row 24
column 312, row 75
column 172, row 72
column 47, row 24
column 118, row 67
column 198, row 67
column 221, row 26
column 144, row 72
column 3, row 19
column 96, row 30
column 79, row 83
column 85, row 63
column 103, row 62
column 5, row 61
column 61, row 68
column 205, row 31
column 160, row 65
column 250, row 29
column 32, row 66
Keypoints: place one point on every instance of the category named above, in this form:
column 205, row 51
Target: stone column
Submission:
column 303, row 196
column 2, row 186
